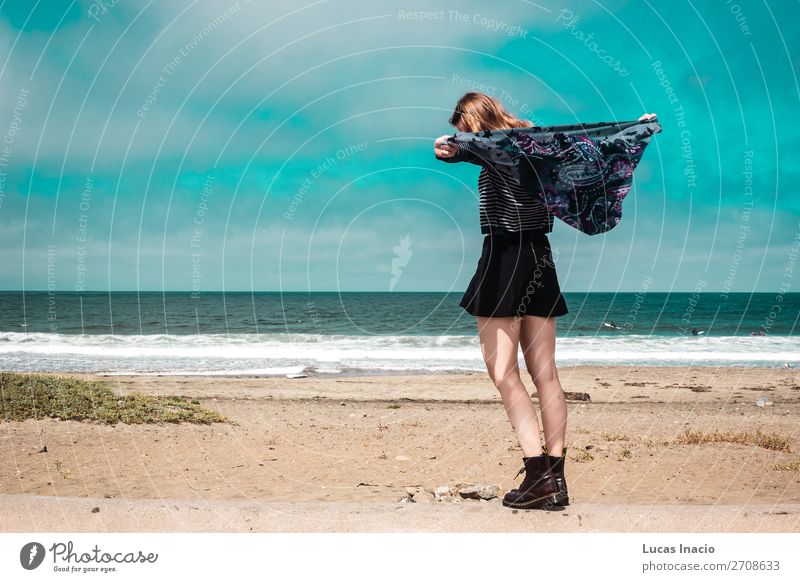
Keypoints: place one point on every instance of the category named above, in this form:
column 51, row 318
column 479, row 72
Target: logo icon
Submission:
column 402, row 254
column 31, row 555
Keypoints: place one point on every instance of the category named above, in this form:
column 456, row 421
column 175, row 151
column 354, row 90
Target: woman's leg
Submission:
column 499, row 338
column 538, row 341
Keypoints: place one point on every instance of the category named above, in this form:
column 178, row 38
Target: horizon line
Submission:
column 189, row 291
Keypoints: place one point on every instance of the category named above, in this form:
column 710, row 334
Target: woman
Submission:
column 516, row 298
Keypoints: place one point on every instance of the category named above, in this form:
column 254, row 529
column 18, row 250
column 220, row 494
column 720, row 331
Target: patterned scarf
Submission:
column 581, row 172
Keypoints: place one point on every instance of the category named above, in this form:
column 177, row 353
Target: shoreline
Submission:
column 311, row 370
column 602, row 383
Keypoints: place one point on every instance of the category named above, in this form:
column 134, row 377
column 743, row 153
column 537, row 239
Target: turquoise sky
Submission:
column 215, row 145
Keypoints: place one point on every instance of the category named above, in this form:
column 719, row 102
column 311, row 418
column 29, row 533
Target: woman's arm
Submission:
column 455, row 152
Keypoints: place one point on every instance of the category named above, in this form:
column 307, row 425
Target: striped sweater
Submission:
column 504, row 206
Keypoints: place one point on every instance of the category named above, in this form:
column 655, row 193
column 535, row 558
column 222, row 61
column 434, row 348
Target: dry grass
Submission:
column 617, row 436
column 657, row 442
column 793, row 466
column 772, row 441
column 583, row 457
column 63, row 471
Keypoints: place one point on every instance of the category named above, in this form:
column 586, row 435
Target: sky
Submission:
column 288, row 146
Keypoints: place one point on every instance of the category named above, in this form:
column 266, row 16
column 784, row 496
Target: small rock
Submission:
column 577, row 396
column 95, row 510
column 479, row 491
column 43, row 449
column 412, row 490
column 424, row 497
column 443, row 493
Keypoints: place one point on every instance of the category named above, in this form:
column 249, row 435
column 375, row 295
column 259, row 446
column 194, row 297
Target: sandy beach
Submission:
column 366, row 453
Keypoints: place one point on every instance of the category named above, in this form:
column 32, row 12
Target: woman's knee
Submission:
column 543, row 375
column 505, row 379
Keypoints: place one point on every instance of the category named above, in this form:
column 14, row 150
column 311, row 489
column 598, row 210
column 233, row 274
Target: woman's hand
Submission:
column 443, row 148
column 647, row 117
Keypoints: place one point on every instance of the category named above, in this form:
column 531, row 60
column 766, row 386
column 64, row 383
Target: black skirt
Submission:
column 516, row 276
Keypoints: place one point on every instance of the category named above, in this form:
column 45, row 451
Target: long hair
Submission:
column 480, row 112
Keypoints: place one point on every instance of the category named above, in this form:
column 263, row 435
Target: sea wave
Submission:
column 279, row 354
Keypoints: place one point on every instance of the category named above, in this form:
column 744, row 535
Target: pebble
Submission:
column 442, row 493
column 479, row 491
column 424, row 497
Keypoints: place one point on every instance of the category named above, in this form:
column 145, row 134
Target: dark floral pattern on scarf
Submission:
column 581, row 172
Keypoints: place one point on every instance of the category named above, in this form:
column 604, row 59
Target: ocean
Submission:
column 274, row 333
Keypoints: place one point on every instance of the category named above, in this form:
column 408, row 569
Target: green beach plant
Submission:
column 36, row 396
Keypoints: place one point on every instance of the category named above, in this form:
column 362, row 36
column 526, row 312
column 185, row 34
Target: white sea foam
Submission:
column 279, row 354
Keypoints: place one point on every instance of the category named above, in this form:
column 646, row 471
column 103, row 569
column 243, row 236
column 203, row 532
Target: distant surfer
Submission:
column 611, row 324
column 696, row 331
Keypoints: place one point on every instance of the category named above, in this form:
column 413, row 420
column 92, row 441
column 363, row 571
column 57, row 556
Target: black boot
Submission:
column 557, row 466
column 539, row 489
